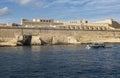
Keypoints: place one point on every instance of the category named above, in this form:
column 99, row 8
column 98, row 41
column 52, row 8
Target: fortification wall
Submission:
column 61, row 36
column 80, row 36
column 9, row 34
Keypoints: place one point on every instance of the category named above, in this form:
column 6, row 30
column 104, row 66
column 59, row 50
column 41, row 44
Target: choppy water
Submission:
column 59, row 61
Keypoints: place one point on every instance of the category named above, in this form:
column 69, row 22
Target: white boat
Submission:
column 95, row 45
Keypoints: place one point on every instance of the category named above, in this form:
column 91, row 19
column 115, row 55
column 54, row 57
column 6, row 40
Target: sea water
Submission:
column 59, row 61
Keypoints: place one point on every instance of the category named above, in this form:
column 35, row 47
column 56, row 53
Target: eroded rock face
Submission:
column 45, row 40
column 71, row 40
column 13, row 36
column 20, row 38
column 35, row 40
column 10, row 43
column 64, row 40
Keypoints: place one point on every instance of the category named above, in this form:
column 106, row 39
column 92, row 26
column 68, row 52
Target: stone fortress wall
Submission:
column 43, row 36
column 59, row 32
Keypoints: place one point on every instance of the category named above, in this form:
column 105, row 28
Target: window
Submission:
column 43, row 20
column 47, row 21
column 40, row 20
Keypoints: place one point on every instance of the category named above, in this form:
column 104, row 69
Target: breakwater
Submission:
column 41, row 36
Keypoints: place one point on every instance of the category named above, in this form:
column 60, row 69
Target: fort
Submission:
column 49, row 31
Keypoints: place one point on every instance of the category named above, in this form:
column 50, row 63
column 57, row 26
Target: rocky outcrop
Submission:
column 20, row 37
column 64, row 40
column 7, row 44
column 71, row 40
column 10, row 43
column 8, row 37
column 35, row 40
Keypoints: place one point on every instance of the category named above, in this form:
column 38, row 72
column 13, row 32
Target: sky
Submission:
column 92, row 10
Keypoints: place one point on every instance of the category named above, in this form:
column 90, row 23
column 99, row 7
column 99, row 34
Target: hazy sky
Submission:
column 92, row 10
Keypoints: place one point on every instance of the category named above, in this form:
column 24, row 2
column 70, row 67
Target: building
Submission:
column 107, row 24
column 9, row 25
column 37, row 22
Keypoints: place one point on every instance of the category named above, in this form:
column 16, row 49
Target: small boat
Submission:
column 95, row 45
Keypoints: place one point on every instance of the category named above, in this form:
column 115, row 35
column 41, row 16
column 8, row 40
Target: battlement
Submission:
column 108, row 23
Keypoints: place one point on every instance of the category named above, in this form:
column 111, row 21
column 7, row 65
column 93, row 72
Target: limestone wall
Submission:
column 9, row 34
column 55, row 36
column 35, row 40
column 115, row 24
column 80, row 36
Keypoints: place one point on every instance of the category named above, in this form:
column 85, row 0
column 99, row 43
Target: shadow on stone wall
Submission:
column 26, row 40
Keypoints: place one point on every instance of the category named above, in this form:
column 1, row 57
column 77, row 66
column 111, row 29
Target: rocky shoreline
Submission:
column 37, row 41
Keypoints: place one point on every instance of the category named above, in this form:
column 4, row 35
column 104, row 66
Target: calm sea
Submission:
column 59, row 61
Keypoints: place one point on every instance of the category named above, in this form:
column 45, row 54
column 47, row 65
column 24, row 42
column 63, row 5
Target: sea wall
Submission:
column 59, row 36
column 77, row 36
column 9, row 37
